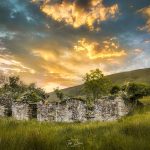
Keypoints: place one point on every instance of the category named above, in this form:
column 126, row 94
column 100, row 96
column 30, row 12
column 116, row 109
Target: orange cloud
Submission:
column 76, row 14
column 146, row 12
column 49, row 68
column 9, row 65
column 94, row 50
column 46, row 55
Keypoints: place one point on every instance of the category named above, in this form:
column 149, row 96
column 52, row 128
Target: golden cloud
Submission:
column 46, row 55
column 49, row 68
column 67, row 68
column 78, row 12
column 146, row 12
column 9, row 65
column 94, row 50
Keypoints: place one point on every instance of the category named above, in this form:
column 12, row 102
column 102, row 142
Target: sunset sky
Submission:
column 55, row 42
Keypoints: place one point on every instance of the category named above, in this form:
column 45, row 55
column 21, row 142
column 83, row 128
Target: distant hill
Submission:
column 138, row 76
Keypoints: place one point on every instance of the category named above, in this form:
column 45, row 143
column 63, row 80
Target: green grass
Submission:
column 130, row 133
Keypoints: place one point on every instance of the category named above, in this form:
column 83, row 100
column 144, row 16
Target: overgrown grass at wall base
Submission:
column 129, row 133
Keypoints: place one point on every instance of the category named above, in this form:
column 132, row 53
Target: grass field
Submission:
column 129, row 133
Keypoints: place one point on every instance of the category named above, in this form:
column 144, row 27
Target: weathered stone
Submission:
column 2, row 111
column 71, row 110
column 23, row 111
column 5, row 107
column 105, row 109
column 68, row 111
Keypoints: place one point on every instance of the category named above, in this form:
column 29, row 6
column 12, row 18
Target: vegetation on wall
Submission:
column 15, row 90
column 59, row 94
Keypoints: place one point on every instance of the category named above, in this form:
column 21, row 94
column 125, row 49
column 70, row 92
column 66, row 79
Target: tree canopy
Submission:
column 16, row 90
column 95, row 84
column 59, row 93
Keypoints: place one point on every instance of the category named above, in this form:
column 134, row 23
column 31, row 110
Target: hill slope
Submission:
column 139, row 76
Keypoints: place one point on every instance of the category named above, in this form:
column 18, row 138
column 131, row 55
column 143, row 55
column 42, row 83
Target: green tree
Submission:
column 136, row 91
column 115, row 89
column 17, row 90
column 14, row 87
column 59, row 93
column 95, row 84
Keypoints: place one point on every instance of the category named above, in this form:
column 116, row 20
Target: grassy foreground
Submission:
column 129, row 133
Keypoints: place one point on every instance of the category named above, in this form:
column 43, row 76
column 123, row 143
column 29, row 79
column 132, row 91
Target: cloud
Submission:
column 8, row 65
column 146, row 12
column 77, row 13
column 66, row 67
column 138, row 51
column 147, row 41
column 107, row 49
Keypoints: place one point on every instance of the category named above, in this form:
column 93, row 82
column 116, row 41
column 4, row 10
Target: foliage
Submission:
column 59, row 93
column 96, row 84
column 115, row 89
column 17, row 90
column 136, row 91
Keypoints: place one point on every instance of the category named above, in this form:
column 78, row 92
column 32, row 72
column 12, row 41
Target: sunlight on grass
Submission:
column 146, row 100
column 128, row 133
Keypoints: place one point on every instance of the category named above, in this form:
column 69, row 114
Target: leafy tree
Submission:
column 59, row 93
column 96, row 84
column 115, row 89
column 136, row 91
column 30, row 96
column 17, row 90
column 14, row 87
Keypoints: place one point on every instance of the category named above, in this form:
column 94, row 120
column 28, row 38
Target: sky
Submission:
column 55, row 42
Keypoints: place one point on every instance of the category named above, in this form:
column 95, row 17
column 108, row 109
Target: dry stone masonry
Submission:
column 70, row 110
column 24, row 110
column 5, row 107
column 67, row 111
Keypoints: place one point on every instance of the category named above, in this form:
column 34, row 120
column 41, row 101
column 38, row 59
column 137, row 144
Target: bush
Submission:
column 17, row 90
column 136, row 91
column 115, row 90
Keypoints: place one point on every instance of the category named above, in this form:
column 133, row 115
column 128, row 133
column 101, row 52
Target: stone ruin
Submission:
column 5, row 107
column 70, row 110
column 24, row 110
column 67, row 111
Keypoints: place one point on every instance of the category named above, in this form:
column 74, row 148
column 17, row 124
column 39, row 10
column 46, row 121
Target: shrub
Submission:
column 115, row 90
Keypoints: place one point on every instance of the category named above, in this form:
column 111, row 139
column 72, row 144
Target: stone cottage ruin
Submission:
column 70, row 110
column 5, row 107
column 24, row 110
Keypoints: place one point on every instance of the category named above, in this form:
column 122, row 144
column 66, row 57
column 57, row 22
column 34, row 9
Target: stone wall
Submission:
column 2, row 111
column 71, row 110
column 5, row 107
column 23, row 110
column 68, row 111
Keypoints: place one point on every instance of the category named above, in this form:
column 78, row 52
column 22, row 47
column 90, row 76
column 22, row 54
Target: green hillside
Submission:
column 139, row 76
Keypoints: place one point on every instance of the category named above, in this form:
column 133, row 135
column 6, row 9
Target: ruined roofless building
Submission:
column 5, row 106
column 70, row 110
column 24, row 110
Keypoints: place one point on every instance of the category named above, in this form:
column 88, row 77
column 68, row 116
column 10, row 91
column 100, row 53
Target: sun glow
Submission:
column 94, row 50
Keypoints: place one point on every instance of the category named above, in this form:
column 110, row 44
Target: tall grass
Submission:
column 129, row 133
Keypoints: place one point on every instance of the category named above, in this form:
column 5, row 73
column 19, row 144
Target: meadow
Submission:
column 129, row 133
